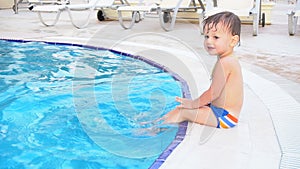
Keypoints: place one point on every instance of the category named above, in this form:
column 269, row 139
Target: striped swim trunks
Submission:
column 225, row 119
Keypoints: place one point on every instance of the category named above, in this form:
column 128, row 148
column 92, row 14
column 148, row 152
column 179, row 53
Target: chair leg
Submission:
column 295, row 24
column 201, row 18
column 82, row 25
column 49, row 24
column 162, row 20
column 292, row 23
column 255, row 24
column 133, row 20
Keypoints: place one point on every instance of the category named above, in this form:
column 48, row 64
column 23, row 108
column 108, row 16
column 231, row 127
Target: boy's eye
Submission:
column 206, row 36
column 216, row 37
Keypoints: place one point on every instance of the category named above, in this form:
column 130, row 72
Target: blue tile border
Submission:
column 185, row 89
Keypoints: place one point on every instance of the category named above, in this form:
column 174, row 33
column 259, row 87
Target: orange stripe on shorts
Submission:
column 231, row 117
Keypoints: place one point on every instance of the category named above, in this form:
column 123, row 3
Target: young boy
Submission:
column 220, row 105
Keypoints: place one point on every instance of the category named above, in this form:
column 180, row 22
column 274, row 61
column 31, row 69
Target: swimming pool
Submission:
column 64, row 106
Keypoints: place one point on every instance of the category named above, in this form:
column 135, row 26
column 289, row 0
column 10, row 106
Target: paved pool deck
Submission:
column 267, row 136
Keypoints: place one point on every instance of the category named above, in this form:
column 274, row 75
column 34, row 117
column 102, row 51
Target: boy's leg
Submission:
column 203, row 115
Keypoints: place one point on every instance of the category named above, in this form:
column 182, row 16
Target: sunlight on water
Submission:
column 44, row 89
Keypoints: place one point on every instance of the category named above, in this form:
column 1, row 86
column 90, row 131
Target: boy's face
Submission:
column 218, row 40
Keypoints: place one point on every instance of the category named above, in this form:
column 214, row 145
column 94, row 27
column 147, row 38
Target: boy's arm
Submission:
column 219, row 78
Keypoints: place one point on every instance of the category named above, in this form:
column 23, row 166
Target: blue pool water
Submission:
column 67, row 106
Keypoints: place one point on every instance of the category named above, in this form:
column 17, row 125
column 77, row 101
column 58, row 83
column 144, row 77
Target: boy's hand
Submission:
column 186, row 103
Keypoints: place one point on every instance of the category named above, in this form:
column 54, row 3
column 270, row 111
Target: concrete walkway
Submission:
column 265, row 137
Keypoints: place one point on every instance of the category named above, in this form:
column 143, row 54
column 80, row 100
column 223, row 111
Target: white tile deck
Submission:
column 267, row 136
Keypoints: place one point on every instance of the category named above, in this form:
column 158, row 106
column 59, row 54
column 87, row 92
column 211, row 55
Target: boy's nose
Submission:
column 208, row 40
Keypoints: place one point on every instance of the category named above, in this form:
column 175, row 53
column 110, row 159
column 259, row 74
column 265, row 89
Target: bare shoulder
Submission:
column 230, row 62
column 229, row 59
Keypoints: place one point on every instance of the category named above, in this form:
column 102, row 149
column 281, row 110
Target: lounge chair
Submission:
column 31, row 3
column 242, row 8
column 166, row 9
column 293, row 18
column 57, row 9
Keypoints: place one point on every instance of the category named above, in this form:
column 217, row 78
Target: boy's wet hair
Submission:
column 229, row 20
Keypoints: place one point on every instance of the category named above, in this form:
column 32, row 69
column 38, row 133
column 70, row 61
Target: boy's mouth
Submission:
column 210, row 47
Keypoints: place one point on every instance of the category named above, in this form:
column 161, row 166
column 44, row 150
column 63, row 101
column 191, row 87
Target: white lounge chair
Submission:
column 57, row 9
column 239, row 7
column 31, row 3
column 166, row 9
column 293, row 18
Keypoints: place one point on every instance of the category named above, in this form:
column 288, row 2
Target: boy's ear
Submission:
column 235, row 40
